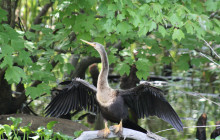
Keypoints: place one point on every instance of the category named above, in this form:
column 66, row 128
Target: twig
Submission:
column 209, row 58
column 35, row 99
column 127, row 133
column 208, row 54
column 202, row 97
column 213, row 14
column 187, row 128
column 31, row 110
column 211, row 48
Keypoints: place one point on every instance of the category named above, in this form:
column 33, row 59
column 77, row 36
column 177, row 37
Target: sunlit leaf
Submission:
column 178, row 34
column 14, row 74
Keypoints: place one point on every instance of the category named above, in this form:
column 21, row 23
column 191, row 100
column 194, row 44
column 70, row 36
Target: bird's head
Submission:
column 97, row 46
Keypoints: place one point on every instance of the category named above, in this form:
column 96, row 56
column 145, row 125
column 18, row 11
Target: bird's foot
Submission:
column 104, row 133
column 118, row 129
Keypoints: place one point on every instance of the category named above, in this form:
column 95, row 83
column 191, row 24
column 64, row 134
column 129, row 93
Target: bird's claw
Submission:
column 118, row 129
column 104, row 133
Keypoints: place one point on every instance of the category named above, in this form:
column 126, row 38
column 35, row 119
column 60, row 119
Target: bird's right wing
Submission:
column 146, row 100
column 76, row 95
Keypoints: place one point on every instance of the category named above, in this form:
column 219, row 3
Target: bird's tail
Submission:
column 131, row 125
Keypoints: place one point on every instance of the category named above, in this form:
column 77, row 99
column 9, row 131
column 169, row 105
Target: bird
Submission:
column 144, row 100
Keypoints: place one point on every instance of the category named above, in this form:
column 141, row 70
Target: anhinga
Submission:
column 144, row 100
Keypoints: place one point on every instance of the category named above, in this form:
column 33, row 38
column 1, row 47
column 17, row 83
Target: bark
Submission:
column 9, row 104
column 5, row 96
column 64, row 126
column 10, row 6
column 6, row 5
column 82, row 66
column 131, row 80
column 43, row 12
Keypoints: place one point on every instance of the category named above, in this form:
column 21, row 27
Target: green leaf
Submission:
column 178, row 34
column 143, row 31
column 153, row 26
column 34, row 92
column 110, row 25
column 26, row 129
column 48, row 133
column 3, row 14
column 157, row 7
column 123, row 28
column 189, row 28
column 120, row 17
column 7, row 50
column 112, row 58
column 182, row 63
column 123, row 68
column 14, row 74
column 36, row 27
column 200, row 31
column 211, row 5
column 195, row 61
column 174, row 19
column 143, row 68
column 8, row 61
column 37, row 91
column 167, row 60
column 45, row 88
column 51, row 124
column 17, row 44
column 16, row 121
column 166, row 43
column 78, row 133
column 128, row 60
column 7, row 129
column 162, row 30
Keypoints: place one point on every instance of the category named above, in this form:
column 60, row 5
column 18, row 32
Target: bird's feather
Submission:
column 146, row 100
column 78, row 94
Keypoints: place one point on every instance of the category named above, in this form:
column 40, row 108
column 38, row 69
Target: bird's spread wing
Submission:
column 146, row 100
column 76, row 95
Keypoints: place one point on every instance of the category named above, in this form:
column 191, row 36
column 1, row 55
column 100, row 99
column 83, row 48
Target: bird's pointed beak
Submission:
column 90, row 43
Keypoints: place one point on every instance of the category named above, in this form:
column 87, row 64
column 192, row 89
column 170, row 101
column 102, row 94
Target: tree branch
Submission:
column 127, row 133
column 214, row 57
column 83, row 65
column 44, row 10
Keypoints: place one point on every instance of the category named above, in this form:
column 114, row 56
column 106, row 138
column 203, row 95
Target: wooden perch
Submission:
column 127, row 133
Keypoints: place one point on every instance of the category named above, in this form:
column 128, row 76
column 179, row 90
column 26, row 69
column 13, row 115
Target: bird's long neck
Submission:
column 103, row 76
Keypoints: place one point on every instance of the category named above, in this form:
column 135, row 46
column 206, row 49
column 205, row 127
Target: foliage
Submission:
column 11, row 131
column 150, row 28
column 151, row 34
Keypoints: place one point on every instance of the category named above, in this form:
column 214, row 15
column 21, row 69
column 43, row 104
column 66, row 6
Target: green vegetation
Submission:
column 12, row 131
column 37, row 52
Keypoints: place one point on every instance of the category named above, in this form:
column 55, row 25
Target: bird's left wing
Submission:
column 146, row 100
column 76, row 95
